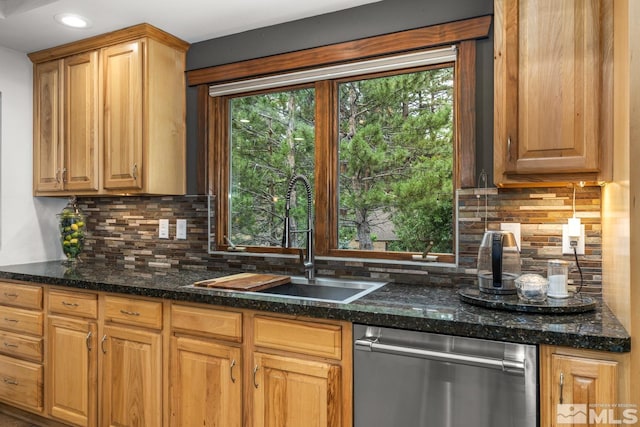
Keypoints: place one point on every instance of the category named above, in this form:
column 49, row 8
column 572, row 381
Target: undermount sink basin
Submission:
column 342, row 291
column 325, row 289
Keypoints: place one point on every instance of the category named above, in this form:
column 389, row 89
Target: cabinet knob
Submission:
column 88, row 339
column 104, row 338
column 509, row 148
column 135, row 171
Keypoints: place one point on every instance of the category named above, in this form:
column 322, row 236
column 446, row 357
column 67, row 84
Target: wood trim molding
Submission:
column 114, row 37
column 387, row 44
column 465, row 84
column 203, row 139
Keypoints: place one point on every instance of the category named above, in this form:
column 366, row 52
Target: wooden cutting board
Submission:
column 245, row 281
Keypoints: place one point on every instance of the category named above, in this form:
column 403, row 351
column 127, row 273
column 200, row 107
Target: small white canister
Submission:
column 558, row 275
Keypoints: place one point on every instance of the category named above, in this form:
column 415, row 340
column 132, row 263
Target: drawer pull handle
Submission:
column 130, row 313
column 89, row 341
column 11, row 381
column 255, row 371
column 69, row 304
column 8, row 344
column 104, row 338
column 6, row 319
column 10, row 295
column 233, row 363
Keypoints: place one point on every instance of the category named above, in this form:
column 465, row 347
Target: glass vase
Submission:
column 72, row 226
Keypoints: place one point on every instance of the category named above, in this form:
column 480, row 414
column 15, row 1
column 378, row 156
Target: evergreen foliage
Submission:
column 395, row 154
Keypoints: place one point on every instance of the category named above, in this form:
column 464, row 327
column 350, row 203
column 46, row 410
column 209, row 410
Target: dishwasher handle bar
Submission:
column 510, row 366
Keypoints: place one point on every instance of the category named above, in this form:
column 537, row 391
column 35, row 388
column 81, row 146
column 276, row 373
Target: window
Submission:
column 384, row 147
column 271, row 139
column 396, row 161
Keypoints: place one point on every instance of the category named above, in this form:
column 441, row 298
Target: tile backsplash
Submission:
column 125, row 231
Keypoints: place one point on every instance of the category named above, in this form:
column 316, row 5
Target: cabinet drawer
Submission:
column 19, row 320
column 315, row 339
column 133, row 311
column 21, row 346
column 21, row 382
column 75, row 304
column 18, row 295
column 219, row 323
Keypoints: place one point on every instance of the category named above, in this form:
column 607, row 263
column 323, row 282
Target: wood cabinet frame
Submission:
column 581, row 132
column 132, row 138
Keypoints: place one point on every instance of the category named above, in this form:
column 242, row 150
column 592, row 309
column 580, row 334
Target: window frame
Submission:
column 213, row 113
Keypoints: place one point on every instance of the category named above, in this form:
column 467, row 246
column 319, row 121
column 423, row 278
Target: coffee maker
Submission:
column 498, row 263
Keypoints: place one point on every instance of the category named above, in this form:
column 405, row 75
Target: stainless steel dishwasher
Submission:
column 404, row 378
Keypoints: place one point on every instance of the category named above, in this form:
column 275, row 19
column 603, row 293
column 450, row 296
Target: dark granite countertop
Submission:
column 414, row 307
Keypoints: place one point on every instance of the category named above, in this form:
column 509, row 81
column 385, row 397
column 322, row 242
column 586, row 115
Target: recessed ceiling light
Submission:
column 72, row 20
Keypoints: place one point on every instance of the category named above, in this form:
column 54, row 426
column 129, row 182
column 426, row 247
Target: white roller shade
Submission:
column 409, row 60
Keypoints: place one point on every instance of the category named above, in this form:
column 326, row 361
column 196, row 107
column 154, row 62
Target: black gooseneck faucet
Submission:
column 309, row 262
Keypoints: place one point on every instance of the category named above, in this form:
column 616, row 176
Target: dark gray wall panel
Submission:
column 384, row 17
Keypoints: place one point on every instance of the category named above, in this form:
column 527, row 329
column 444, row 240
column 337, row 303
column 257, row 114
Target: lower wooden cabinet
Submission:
column 302, row 373
column 295, row 392
column 104, row 360
column 206, row 383
column 72, row 370
column 581, row 387
column 245, row 368
column 21, row 382
column 21, row 351
column 131, row 377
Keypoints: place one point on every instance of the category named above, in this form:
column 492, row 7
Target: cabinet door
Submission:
column 580, row 381
column 131, row 377
column 206, row 384
column 72, row 371
column 293, row 392
column 552, row 86
column 81, row 121
column 123, row 99
column 47, row 142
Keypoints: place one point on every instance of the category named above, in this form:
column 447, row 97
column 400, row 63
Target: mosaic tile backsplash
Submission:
column 125, row 231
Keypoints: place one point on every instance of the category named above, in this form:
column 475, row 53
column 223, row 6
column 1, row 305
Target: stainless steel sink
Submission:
column 341, row 291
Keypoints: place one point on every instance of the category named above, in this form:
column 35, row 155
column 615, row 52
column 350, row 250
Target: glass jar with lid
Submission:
column 558, row 275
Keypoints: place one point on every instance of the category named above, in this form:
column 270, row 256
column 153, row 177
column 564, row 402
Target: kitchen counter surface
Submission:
column 414, row 307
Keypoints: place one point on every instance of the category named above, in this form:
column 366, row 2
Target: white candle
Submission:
column 557, row 285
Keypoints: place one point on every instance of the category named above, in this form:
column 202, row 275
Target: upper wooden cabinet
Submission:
column 66, row 124
column 553, row 91
column 109, row 115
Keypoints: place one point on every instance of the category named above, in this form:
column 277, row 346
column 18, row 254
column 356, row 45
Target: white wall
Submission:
column 28, row 231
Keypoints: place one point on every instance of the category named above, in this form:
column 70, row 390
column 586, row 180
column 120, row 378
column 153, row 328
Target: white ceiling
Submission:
column 29, row 25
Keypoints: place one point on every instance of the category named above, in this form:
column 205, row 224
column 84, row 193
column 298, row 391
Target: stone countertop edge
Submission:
column 425, row 308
